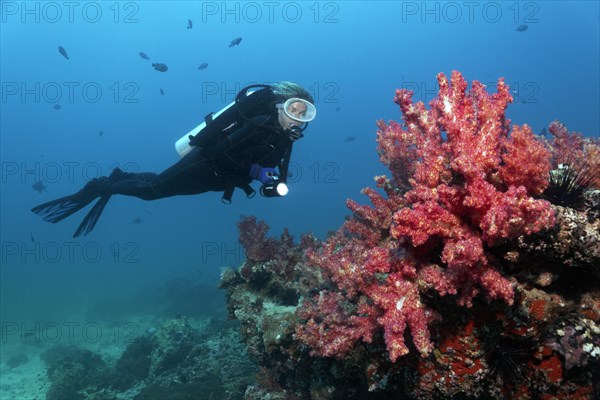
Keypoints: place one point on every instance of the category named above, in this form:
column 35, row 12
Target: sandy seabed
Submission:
column 25, row 382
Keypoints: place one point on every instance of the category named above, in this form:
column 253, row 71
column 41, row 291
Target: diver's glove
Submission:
column 263, row 174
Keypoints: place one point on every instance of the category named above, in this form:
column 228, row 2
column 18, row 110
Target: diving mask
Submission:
column 298, row 109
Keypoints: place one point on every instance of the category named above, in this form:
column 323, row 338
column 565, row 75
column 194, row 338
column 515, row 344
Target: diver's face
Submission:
column 297, row 109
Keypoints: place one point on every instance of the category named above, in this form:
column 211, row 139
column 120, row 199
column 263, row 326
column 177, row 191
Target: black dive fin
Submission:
column 90, row 220
column 56, row 210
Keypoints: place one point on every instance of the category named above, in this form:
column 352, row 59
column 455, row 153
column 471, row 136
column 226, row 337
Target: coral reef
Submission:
column 467, row 279
column 177, row 361
column 185, row 364
column 134, row 364
column 73, row 371
column 172, row 343
column 576, row 174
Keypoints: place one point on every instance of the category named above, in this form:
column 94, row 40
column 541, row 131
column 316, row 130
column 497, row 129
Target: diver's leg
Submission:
column 193, row 174
column 133, row 184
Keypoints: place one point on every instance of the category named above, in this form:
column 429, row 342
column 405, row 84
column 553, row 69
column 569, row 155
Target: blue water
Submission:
column 350, row 55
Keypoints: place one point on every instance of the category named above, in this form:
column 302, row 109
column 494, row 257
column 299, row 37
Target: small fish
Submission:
column 544, row 132
column 162, row 92
column 32, row 238
column 39, row 186
column 203, row 66
column 349, row 139
column 138, row 220
column 337, row 109
column 100, row 133
column 160, row 67
column 189, row 26
column 151, row 331
column 62, row 51
column 144, row 56
column 235, row 42
column 522, row 28
column 56, row 106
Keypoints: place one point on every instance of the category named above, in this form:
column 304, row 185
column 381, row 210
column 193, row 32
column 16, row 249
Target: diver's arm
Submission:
column 284, row 163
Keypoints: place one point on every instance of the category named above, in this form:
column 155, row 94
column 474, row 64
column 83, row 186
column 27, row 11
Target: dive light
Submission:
column 274, row 189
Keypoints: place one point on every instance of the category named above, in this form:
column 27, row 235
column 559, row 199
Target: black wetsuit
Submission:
column 220, row 160
column 219, row 167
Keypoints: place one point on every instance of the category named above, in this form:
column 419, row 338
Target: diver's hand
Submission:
column 263, row 174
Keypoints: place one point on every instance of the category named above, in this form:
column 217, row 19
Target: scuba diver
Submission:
column 250, row 139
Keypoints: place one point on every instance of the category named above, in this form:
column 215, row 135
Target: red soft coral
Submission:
column 526, row 162
column 461, row 183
